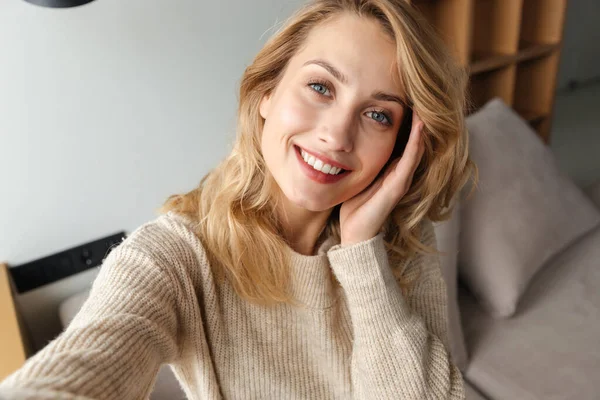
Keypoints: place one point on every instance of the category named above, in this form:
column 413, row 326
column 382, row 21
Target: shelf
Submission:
column 539, row 125
column 452, row 20
column 530, row 51
column 496, row 26
column 543, row 21
column 533, row 117
column 510, row 48
column 535, row 88
column 487, row 85
column 483, row 62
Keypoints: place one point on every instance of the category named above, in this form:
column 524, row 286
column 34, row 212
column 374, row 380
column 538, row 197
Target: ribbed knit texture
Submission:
column 155, row 301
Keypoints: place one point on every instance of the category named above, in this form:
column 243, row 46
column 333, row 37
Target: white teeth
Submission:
column 319, row 165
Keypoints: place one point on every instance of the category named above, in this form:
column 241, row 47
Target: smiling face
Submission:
column 334, row 102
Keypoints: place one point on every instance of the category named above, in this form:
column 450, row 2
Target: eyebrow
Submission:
column 379, row 95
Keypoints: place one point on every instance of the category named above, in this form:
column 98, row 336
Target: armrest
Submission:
column 12, row 342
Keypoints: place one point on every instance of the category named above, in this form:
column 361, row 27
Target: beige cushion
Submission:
column 549, row 349
column 471, row 393
column 524, row 211
column 447, row 233
column 70, row 307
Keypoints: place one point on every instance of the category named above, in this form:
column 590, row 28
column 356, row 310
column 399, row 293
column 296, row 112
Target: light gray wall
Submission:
column 580, row 55
column 575, row 141
column 106, row 110
column 575, row 137
column 110, row 107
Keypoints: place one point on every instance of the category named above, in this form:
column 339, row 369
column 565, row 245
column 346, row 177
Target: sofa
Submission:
column 521, row 259
column 522, row 266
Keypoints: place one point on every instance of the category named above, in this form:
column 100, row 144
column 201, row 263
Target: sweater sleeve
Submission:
column 400, row 348
column 114, row 346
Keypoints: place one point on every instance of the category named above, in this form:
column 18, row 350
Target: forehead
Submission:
column 358, row 47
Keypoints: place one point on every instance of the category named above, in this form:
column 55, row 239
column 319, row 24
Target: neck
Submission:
column 301, row 227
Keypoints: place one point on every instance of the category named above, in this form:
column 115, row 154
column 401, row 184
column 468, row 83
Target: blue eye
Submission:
column 382, row 115
column 319, row 85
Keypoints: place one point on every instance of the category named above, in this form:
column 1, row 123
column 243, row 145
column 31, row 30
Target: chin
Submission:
column 310, row 204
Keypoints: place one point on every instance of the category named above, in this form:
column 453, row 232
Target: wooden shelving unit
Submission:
column 510, row 47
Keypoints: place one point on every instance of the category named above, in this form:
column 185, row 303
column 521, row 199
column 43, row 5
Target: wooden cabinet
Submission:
column 511, row 49
column 12, row 342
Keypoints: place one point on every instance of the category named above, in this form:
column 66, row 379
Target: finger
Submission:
column 421, row 144
column 368, row 192
column 403, row 169
column 415, row 120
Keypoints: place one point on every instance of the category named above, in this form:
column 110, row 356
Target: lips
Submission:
column 315, row 175
column 324, row 159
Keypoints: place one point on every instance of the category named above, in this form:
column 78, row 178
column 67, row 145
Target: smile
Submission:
column 319, row 165
column 317, row 170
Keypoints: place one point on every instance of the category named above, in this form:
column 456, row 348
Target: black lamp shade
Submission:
column 59, row 3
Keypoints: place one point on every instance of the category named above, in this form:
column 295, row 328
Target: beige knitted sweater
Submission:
column 156, row 301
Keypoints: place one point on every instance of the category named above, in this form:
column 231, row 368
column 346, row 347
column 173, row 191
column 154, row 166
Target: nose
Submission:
column 337, row 132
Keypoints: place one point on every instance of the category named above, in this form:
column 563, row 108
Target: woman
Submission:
column 302, row 266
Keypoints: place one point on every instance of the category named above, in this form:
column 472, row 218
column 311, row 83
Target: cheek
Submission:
column 386, row 153
column 296, row 114
column 376, row 154
column 373, row 157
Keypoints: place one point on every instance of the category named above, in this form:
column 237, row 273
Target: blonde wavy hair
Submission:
column 234, row 207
